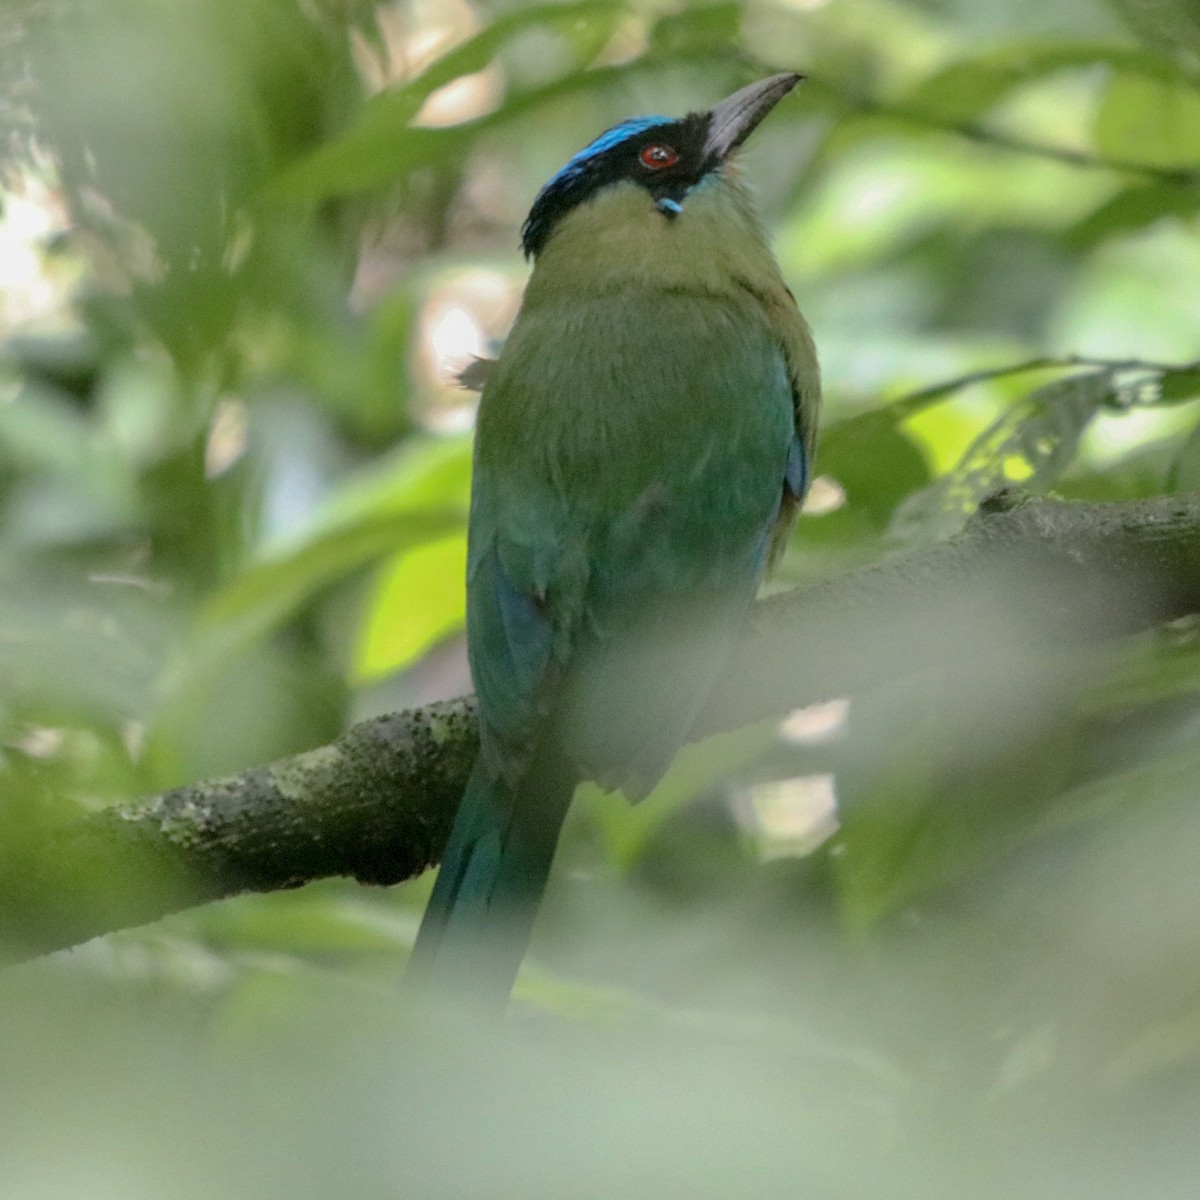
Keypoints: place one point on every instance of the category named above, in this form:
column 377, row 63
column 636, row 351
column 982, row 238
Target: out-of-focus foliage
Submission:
column 244, row 246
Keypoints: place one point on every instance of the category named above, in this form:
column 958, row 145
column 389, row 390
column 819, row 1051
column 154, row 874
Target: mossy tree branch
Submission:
column 1025, row 576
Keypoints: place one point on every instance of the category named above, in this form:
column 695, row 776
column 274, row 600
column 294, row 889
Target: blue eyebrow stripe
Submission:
column 606, row 141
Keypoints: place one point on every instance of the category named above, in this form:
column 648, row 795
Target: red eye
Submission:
column 657, row 155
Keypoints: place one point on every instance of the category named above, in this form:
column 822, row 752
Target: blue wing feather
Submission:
column 795, row 476
column 510, row 641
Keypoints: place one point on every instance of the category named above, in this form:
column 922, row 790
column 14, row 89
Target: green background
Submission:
column 244, row 245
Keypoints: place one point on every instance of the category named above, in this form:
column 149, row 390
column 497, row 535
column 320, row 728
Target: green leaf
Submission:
column 396, row 107
column 1171, row 25
column 1166, row 779
column 418, row 496
column 270, row 592
column 1030, row 445
column 419, row 598
column 924, row 798
column 1150, row 121
column 1131, row 209
column 876, row 465
column 1179, row 385
column 320, row 920
column 427, row 473
column 713, row 25
column 1160, row 665
column 380, row 148
column 874, row 461
column 968, row 89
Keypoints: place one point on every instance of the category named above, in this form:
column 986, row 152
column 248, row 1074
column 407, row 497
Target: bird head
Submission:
column 667, row 158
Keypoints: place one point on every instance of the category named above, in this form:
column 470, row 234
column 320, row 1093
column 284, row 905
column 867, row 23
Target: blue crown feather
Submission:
column 609, row 159
column 605, row 142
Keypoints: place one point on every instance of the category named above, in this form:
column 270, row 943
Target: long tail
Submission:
column 476, row 927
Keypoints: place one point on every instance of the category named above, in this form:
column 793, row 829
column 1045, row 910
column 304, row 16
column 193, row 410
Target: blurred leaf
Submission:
column 943, row 774
column 628, row 829
column 887, row 846
column 419, row 598
column 1133, row 208
column 158, row 176
column 223, row 709
column 380, row 147
column 1164, row 779
column 393, row 109
column 1178, row 385
column 74, row 649
column 1151, row 121
column 41, row 427
column 268, row 593
column 322, row 919
column 426, row 473
column 1161, row 665
column 982, row 22
column 1171, row 25
column 1030, row 446
column 1007, row 280
column 875, row 463
column 968, row 89
column 417, row 497
column 1185, row 470
column 1163, row 1047
column 706, row 26
column 68, row 360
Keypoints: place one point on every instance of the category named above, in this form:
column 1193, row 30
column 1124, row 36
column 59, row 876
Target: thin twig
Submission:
column 913, row 402
column 859, row 103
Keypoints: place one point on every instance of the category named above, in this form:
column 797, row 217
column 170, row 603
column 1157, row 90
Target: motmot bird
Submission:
column 643, row 443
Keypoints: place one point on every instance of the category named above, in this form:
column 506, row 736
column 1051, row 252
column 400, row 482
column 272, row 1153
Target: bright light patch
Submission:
column 825, row 496
column 876, row 199
column 31, row 291
column 816, row 723
column 464, row 316
column 455, row 338
column 460, row 317
column 789, row 818
column 227, row 437
column 41, row 742
column 410, row 37
column 1114, row 436
column 467, row 97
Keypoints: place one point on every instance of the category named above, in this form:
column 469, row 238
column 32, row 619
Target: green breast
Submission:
column 644, row 432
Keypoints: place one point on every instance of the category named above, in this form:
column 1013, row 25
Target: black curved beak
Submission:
column 733, row 120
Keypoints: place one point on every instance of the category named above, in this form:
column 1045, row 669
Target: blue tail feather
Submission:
column 494, row 870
